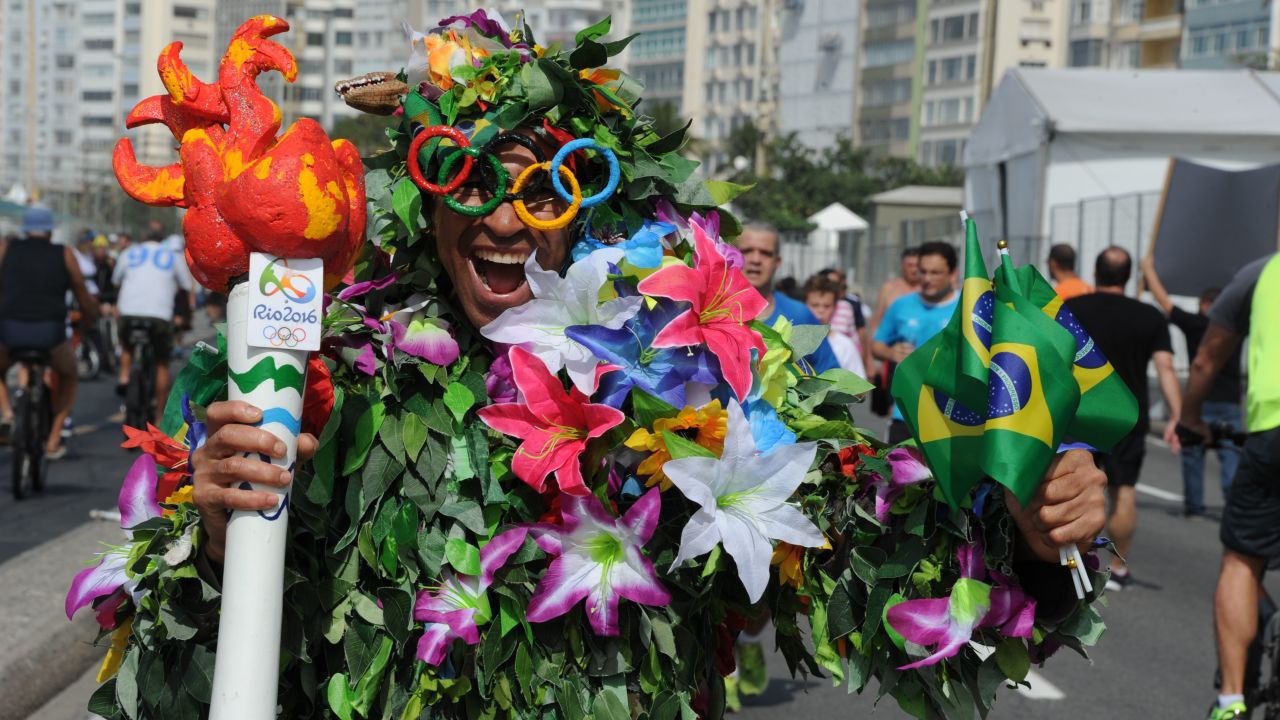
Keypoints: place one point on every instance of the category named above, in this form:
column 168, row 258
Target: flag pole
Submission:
column 1068, row 555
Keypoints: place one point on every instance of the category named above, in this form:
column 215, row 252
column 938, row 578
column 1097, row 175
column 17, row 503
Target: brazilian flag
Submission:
column 1108, row 410
column 964, row 359
column 988, row 397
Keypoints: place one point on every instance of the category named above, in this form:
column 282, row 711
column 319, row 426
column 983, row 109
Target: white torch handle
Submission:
column 246, row 672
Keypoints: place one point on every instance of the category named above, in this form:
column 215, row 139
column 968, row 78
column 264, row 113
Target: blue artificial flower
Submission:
column 659, row 372
column 767, row 428
column 643, row 249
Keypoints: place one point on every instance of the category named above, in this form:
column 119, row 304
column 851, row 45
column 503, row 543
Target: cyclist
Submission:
column 35, row 276
column 148, row 276
column 1250, row 534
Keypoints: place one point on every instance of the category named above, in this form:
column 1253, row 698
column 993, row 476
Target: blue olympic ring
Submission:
column 615, row 173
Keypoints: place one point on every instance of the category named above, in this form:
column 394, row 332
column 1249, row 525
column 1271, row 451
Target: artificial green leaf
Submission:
column 617, row 46
column 589, row 54
column 592, row 32
column 648, row 408
column 670, row 142
column 458, row 398
column 724, row 192
column 414, row 434
column 359, row 430
column 406, row 200
column 339, row 696
column 682, row 448
column 846, row 382
column 1012, row 657
column 463, row 556
column 805, row 339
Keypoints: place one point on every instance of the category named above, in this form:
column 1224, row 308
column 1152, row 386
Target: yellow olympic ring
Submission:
column 522, row 211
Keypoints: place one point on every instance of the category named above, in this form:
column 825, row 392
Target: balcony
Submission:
column 1167, row 27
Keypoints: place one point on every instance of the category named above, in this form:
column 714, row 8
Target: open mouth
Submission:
column 378, row 93
column 501, row 272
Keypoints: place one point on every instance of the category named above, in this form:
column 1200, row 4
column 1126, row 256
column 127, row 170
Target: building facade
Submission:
column 1124, row 34
column 1023, row 33
column 817, row 59
column 656, row 58
column 323, row 43
column 889, row 82
column 231, row 14
column 951, row 97
column 731, row 73
column 1219, row 35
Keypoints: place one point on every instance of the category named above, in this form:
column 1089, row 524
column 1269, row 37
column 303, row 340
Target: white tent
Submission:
column 1079, row 156
column 829, row 244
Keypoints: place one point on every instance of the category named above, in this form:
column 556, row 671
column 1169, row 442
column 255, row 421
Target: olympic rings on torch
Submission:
column 557, row 164
column 284, row 336
column 415, row 171
column 523, row 212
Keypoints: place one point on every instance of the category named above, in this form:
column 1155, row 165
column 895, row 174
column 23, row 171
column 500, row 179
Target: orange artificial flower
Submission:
column 706, row 426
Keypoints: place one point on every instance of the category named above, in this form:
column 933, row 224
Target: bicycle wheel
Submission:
column 88, row 359
column 43, row 402
column 20, row 443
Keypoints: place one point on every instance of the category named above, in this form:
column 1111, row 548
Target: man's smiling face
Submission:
column 485, row 255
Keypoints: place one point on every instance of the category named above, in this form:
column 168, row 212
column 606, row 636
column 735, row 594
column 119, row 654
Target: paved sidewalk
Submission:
column 43, row 653
column 70, row 703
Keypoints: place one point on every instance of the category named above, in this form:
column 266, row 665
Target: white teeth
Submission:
column 502, row 258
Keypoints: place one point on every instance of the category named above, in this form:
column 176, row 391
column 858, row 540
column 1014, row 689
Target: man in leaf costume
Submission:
column 559, row 463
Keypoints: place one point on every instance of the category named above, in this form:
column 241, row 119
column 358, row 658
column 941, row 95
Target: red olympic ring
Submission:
column 415, row 171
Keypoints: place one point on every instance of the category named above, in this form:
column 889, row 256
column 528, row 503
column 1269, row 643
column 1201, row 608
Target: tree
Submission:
column 801, row 181
column 367, row 132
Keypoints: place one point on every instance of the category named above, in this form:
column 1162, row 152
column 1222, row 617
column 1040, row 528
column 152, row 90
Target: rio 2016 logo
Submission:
column 294, row 286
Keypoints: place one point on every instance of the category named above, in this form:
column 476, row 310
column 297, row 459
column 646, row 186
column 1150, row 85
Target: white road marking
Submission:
column 1041, row 689
column 1157, row 492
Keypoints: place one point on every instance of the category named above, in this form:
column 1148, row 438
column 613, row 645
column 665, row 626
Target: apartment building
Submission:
column 889, row 85
column 1023, row 33
column 231, row 14
column 39, row 73
column 951, row 96
column 1221, row 34
column 731, row 72
column 322, row 39
column 657, row 57
column 1125, row 33
column 817, row 58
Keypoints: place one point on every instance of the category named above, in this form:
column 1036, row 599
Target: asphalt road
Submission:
column 1156, row 659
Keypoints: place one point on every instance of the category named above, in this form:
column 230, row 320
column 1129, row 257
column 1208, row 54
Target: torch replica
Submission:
column 277, row 212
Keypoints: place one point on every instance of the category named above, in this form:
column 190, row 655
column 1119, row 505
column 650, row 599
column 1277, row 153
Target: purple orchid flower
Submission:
column 459, row 605
column 109, row 578
column 599, row 559
column 481, row 22
column 499, row 382
column 364, row 288
column 948, row 623
column 664, row 211
column 410, row 332
column 906, row 468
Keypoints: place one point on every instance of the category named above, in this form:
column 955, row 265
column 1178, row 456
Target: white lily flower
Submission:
column 743, row 497
column 558, row 303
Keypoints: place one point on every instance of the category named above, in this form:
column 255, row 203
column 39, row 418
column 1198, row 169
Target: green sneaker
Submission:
column 1230, row 712
column 732, row 701
column 753, row 675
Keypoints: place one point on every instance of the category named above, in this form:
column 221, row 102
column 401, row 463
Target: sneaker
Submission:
column 58, row 454
column 1234, row 710
column 1118, row 582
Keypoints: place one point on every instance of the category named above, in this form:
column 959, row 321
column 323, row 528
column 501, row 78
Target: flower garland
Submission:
column 572, row 510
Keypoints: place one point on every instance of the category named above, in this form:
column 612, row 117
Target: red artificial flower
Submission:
column 851, row 457
column 726, row 663
column 317, row 399
column 167, row 452
column 555, row 425
column 723, row 304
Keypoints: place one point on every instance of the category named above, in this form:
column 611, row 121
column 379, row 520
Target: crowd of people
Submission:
column 57, row 297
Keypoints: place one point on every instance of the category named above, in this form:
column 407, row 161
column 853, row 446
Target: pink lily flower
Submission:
column 723, row 303
column 109, row 578
column 459, row 605
column 948, row 623
column 906, row 468
column 599, row 559
column 555, row 425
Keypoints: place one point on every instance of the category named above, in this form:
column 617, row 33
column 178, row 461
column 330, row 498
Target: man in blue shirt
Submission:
column 760, row 246
column 914, row 318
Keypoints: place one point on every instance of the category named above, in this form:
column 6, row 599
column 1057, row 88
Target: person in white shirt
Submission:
column 821, row 295
column 149, row 275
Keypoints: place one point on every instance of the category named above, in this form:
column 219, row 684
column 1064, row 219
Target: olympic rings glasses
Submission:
column 531, row 196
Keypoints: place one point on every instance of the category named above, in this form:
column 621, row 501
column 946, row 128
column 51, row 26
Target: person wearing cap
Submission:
column 35, row 276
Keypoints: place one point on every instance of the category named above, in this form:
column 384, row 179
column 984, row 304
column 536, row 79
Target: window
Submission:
column 98, row 121
column 1081, row 11
column 887, row 92
column 342, row 37
column 972, row 31
column 342, row 67
column 99, row 44
column 1127, row 55
column 129, row 90
column 63, row 137
column 1130, row 11
column 889, row 53
column 343, row 12
column 953, row 28
column 315, row 38
column 65, row 62
column 893, row 14
column 188, row 12
column 711, row 21
column 1086, row 53
column 96, row 95
column 133, row 8
column 91, row 19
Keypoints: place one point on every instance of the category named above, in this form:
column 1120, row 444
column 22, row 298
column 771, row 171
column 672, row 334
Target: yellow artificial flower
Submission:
column 708, row 425
column 115, row 654
column 179, row 496
column 790, row 561
column 448, row 50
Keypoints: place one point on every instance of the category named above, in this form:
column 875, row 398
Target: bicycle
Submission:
column 32, row 421
column 140, row 392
